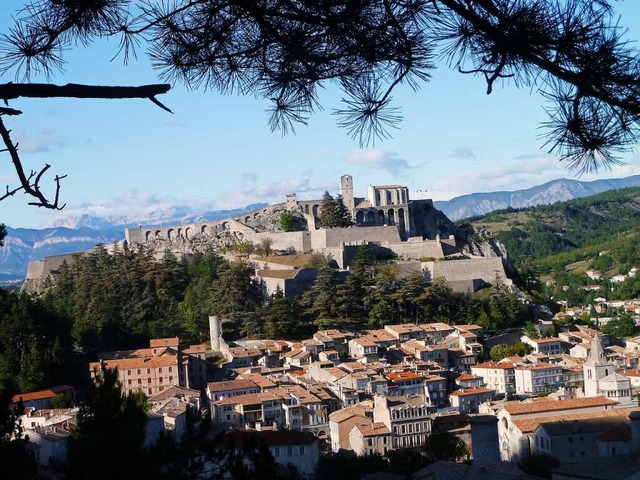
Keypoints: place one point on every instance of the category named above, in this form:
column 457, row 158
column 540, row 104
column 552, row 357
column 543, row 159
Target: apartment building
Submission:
column 499, row 376
column 535, row 379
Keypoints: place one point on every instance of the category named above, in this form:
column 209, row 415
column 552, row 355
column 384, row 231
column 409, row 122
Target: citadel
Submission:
column 420, row 237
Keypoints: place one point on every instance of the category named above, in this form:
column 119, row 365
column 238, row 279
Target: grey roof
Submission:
column 587, row 425
column 602, row 468
column 460, row 471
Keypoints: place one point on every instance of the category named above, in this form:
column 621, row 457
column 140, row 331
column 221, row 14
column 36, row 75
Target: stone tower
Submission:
column 215, row 332
column 484, row 440
column 595, row 368
column 346, row 190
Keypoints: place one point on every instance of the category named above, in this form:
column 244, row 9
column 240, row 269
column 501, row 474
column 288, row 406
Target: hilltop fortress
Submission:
column 411, row 230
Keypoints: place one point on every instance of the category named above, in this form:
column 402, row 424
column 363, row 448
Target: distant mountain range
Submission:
column 74, row 233
column 83, row 232
column 476, row 204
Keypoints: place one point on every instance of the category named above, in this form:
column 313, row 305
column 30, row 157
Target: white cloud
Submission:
column 44, row 141
column 383, row 159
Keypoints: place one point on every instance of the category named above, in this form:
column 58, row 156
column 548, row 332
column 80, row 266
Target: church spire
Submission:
column 597, row 356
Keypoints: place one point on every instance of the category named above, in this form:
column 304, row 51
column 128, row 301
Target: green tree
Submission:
column 363, row 261
column 446, row 447
column 108, row 441
column 321, row 300
column 288, row 222
column 328, row 211
column 622, row 327
column 343, row 215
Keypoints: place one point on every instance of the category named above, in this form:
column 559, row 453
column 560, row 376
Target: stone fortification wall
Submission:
column 41, row 273
column 418, row 249
column 337, row 237
column 35, row 270
column 487, row 269
column 288, row 241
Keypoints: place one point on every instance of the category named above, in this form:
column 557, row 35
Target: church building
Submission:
column 601, row 379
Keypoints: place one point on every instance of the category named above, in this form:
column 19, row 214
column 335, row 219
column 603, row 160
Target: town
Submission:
column 533, row 399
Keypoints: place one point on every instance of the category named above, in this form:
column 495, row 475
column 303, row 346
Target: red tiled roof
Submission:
column 163, row 342
column 521, row 408
column 471, row 391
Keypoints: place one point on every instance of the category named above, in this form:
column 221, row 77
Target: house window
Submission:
column 138, row 371
column 160, row 380
column 139, row 382
column 370, row 442
column 170, row 379
column 276, row 450
column 128, row 372
column 148, row 381
column 160, row 370
column 289, row 451
column 170, row 369
column 149, row 391
column 301, row 450
column 129, row 382
column 148, row 370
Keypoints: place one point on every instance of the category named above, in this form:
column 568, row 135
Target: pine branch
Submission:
column 10, row 91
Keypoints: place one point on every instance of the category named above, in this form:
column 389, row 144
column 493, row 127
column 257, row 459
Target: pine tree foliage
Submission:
column 573, row 51
column 108, row 441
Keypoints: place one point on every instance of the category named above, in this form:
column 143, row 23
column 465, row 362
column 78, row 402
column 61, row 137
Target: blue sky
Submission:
column 215, row 152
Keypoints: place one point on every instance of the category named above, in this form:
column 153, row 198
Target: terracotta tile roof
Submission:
column 344, row 414
column 201, row 348
column 546, row 340
column 467, row 376
column 30, row 396
column 365, row 341
column 537, row 366
column 545, row 405
column 471, row 391
column 400, row 376
column 259, row 379
column 403, row 328
column 494, row 365
column 372, row 429
column 237, row 384
column 130, row 363
column 436, row 327
column 163, row 342
column 529, row 425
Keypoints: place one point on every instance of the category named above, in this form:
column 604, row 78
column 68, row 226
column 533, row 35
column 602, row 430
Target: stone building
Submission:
column 600, row 377
column 154, row 369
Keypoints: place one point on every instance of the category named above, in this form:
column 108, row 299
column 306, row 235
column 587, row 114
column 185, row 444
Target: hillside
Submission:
column 565, row 240
column 563, row 189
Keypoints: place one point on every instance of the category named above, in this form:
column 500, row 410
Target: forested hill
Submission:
column 578, row 229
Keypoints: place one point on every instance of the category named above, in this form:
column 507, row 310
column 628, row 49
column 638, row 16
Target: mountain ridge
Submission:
column 477, row 204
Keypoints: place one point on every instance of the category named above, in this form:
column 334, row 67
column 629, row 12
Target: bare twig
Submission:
column 29, row 183
column 10, row 91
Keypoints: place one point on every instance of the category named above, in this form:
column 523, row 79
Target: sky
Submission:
column 126, row 157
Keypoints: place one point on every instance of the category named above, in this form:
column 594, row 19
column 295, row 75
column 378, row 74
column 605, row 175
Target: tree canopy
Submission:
column 573, row 51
